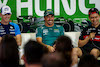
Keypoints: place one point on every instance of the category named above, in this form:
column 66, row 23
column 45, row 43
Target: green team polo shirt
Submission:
column 49, row 34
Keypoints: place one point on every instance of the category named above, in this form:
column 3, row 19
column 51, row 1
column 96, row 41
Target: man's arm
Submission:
column 18, row 35
column 0, row 39
column 39, row 39
column 50, row 48
column 18, row 39
column 85, row 41
column 62, row 30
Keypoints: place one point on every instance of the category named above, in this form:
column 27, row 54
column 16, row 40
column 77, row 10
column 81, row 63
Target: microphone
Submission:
column 93, row 30
column 92, row 39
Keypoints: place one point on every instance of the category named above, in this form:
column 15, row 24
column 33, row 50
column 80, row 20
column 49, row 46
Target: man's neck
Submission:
column 49, row 25
column 4, row 23
column 96, row 25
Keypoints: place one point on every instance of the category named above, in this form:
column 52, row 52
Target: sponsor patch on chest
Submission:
column 1, row 27
column 11, row 28
column 45, row 31
column 56, row 30
column 2, row 30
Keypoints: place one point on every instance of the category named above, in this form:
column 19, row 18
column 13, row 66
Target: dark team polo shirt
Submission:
column 86, row 32
column 11, row 28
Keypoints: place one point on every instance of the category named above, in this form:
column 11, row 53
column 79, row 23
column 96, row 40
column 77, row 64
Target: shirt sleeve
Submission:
column 17, row 30
column 82, row 34
column 39, row 32
column 1, row 34
column 62, row 30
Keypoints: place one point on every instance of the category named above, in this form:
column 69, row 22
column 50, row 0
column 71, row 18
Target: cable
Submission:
column 21, row 26
column 94, row 44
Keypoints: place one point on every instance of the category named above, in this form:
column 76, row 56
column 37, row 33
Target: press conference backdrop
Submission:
column 75, row 10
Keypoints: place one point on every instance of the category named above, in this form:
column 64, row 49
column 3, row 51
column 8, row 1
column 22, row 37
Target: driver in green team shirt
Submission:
column 49, row 32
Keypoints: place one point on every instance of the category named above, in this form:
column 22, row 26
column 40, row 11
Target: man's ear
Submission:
column 44, row 17
column 0, row 15
column 89, row 17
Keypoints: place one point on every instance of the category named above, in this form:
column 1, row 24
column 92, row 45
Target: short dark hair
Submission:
column 88, row 60
column 55, row 59
column 34, row 51
column 64, row 44
column 9, row 53
column 93, row 10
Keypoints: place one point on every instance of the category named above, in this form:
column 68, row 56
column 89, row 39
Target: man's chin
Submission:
column 6, row 22
column 50, row 23
column 95, row 24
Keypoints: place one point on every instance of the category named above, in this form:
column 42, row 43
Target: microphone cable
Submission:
column 94, row 44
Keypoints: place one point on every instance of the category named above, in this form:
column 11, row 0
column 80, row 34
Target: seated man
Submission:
column 7, row 27
column 49, row 32
column 89, row 40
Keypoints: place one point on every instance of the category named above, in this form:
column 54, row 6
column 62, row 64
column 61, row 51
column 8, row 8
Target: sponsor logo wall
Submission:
column 75, row 10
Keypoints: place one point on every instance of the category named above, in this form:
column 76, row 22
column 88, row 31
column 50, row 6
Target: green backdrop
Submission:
column 78, row 7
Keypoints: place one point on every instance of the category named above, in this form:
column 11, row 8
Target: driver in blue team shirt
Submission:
column 7, row 27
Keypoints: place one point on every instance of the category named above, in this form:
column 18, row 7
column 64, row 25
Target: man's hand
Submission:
column 81, row 43
column 0, row 39
column 92, row 35
column 54, row 46
column 50, row 48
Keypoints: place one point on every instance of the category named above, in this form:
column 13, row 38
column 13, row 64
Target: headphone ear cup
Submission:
column 23, row 27
column 66, row 27
column 72, row 25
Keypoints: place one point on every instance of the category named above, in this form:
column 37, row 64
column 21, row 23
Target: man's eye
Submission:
column 8, row 14
column 5, row 14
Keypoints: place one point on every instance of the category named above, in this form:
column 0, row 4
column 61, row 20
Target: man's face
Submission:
column 49, row 20
column 6, row 18
column 94, row 18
